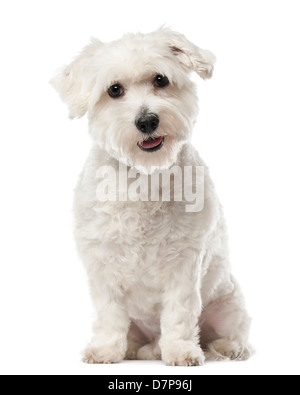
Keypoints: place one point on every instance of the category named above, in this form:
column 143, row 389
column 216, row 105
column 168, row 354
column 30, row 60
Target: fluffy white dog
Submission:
column 159, row 276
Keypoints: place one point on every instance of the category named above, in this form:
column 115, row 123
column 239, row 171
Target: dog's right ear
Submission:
column 75, row 82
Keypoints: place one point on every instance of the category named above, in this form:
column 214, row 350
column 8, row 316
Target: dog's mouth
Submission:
column 151, row 144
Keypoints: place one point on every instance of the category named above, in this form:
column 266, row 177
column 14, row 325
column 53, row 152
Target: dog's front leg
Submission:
column 109, row 343
column 179, row 341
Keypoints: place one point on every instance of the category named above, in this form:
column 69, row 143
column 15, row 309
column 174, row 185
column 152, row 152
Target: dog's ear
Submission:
column 75, row 82
column 189, row 55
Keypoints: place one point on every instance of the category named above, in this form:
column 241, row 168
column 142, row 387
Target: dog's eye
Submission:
column 161, row 81
column 116, row 91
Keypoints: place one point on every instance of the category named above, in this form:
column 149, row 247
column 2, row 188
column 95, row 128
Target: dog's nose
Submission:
column 147, row 123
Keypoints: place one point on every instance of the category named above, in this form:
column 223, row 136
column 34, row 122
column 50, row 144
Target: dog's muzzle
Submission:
column 147, row 124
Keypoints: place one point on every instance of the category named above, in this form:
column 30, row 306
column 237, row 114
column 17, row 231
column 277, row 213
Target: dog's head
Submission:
column 140, row 101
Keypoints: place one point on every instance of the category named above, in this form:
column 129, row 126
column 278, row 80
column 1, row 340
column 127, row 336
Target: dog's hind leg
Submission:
column 225, row 327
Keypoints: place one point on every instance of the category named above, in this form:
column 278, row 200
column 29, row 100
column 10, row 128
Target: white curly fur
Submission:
column 159, row 277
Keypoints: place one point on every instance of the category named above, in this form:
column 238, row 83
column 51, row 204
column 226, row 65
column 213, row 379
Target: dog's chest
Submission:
column 141, row 241
column 135, row 230
column 137, row 239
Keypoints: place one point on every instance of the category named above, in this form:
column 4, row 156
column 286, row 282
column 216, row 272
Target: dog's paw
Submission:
column 94, row 354
column 224, row 349
column 183, row 353
column 149, row 351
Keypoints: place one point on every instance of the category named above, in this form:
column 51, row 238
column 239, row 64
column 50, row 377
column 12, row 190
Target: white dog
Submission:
column 159, row 275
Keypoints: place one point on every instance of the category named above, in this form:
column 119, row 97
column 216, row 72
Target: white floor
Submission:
column 260, row 364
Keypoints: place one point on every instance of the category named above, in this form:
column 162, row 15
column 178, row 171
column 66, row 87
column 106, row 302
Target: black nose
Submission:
column 147, row 123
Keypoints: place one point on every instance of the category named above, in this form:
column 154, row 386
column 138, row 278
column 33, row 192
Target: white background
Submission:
column 248, row 132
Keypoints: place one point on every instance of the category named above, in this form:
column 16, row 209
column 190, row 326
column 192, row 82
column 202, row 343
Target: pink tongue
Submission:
column 151, row 143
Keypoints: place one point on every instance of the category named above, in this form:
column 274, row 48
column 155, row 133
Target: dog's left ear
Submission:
column 190, row 56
